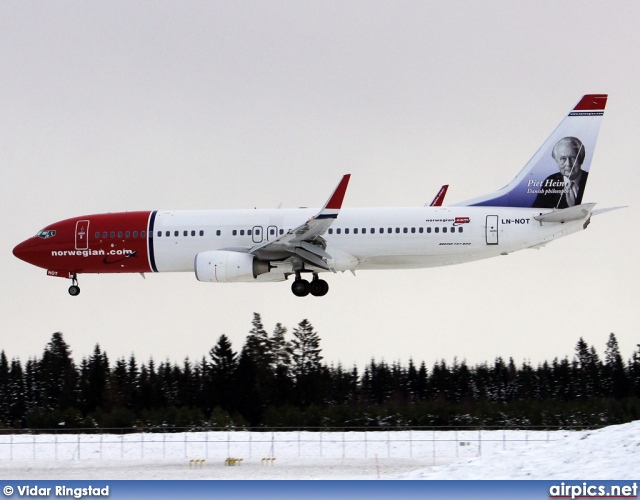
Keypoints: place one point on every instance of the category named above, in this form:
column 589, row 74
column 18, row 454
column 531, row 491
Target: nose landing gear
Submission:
column 74, row 289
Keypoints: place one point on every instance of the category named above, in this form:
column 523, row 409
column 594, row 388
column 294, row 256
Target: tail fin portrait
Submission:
column 557, row 174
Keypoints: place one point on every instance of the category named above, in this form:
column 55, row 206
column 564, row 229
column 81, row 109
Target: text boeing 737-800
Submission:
column 542, row 203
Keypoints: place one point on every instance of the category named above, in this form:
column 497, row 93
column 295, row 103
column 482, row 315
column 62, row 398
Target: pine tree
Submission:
column 58, row 376
column 224, row 363
column 614, row 375
column 258, row 345
column 16, row 394
column 281, row 348
column 306, row 349
column 4, row 388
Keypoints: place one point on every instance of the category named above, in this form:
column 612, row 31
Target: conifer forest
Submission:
column 279, row 379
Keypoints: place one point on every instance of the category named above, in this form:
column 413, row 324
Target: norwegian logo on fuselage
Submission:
column 461, row 220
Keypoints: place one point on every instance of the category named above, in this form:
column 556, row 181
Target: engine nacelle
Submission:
column 220, row 266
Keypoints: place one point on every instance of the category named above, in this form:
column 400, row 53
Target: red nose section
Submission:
column 24, row 251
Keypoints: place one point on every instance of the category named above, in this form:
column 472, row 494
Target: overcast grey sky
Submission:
column 114, row 106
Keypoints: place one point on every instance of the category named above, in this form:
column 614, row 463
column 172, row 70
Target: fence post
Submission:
column 410, row 443
column 365, row 443
column 142, row 444
column 433, row 445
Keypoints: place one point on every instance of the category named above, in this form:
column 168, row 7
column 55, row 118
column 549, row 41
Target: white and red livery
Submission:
column 265, row 245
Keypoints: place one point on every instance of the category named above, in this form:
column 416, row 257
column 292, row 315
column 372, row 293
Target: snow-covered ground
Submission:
column 609, row 453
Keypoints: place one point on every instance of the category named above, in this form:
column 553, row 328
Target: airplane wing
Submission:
column 306, row 240
column 437, row 201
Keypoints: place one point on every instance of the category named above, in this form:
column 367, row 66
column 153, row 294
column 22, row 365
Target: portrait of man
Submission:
column 564, row 188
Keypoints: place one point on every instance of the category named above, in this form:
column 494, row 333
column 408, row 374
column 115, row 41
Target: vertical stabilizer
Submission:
column 557, row 174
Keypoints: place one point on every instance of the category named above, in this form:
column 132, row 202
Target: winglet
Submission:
column 333, row 204
column 437, row 201
column 335, row 200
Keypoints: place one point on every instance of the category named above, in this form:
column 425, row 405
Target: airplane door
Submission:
column 82, row 235
column 256, row 234
column 272, row 233
column 492, row 229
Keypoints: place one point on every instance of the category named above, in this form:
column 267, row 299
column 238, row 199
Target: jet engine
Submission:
column 221, row 266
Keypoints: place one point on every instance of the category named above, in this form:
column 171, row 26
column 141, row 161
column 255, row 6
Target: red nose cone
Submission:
column 23, row 250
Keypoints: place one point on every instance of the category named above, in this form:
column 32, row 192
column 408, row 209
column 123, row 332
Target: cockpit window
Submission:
column 46, row 233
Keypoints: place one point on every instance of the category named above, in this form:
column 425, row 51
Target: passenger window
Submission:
column 420, row 230
column 217, row 233
column 98, row 234
column 201, row 232
column 346, row 230
column 381, row 230
column 257, row 232
column 460, row 229
column 355, row 230
column 272, row 232
column 112, row 234
column 241, row 232
column 397, row 230
column 428, row 230
column 405, row 230
column 389, row 230
column 444, row 229
column 281, row 232
column 143, row 233
column 127, row 234
column 338, row 231
column 135, row 234
column 185, row 233
column 234, row 232
column 437, row 229
column 193, row 233
column 330, row 231
column 413, row 230
column 249, row 232
column 105, row 234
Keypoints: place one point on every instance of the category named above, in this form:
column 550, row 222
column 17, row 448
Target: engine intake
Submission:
column 221, row 266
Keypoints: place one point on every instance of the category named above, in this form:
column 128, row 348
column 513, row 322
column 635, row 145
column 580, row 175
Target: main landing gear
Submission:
column 302, row 288
column 74, row 289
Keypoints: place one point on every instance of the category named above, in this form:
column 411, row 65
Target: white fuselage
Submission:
column 361, row 238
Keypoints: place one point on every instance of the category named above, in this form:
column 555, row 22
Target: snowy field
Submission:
column 609, row 453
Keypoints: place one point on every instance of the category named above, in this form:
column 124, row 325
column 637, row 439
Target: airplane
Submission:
column 542, row 203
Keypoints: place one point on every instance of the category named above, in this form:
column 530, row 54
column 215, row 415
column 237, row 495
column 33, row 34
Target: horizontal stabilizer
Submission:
column 567, row 214
column 605, row 210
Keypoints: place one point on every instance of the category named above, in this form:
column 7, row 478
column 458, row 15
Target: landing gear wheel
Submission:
column 318, row 288
column 300, row 288
column 74, row 289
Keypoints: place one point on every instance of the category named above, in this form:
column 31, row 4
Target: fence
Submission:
column 439, row 445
